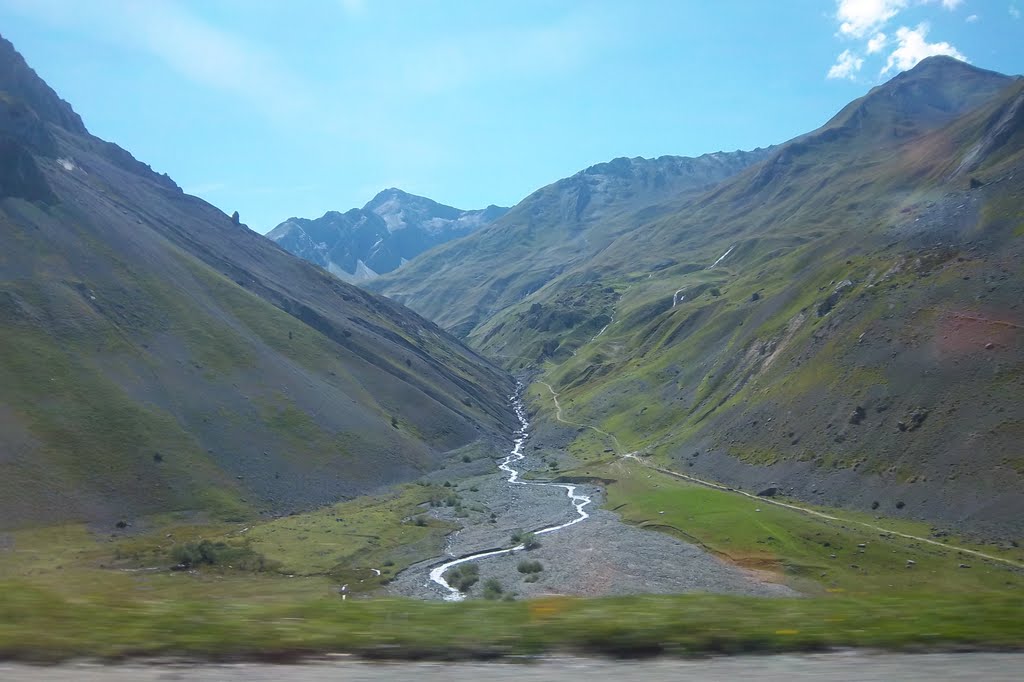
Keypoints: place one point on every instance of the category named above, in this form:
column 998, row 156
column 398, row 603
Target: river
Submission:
column 577, row 501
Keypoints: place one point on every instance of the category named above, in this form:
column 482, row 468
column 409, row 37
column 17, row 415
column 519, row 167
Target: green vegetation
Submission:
column 493, row 589
column 814, row 555
column 344, row 541
column 295, row 556
column 463, row 576
column 221, row 554
column 527, row 540
column 529, row 566
column 40, row 625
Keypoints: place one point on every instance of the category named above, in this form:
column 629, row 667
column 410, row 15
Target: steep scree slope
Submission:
column 158, row 356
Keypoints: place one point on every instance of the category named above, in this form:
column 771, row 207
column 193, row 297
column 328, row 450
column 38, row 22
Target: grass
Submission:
column 39, row 625
column 94, row 436
column 295, row 556
column 68, row 595
column 814, row 555
column 347, row 540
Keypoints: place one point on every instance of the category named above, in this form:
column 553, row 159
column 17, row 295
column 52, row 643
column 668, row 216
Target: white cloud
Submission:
column 868, row 23
column 858, row 18
column 847, row 65
column 913, row 46
column 1014, row 12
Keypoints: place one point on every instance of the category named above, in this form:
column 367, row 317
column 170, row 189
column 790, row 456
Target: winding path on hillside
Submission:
column 765, row 500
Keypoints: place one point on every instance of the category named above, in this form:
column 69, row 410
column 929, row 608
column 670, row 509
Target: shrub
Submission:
column 528, row 540
column 463, row 576
column 207, row 553
column 493, row 589
column 529, row 566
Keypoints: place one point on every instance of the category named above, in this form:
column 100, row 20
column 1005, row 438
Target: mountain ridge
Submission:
column 552, row 228
column 389, row 230
column 827, row 322
column 162, row 357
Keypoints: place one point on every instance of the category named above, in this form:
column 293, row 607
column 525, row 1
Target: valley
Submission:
column 751, row 401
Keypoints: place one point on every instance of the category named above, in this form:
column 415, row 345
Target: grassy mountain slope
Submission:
column 841, row 322
column 158, row 356
column 463, row 283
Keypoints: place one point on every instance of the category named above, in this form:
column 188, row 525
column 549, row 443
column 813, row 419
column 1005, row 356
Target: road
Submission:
column 860, row 666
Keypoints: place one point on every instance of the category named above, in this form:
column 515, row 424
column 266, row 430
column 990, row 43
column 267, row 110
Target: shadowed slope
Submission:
column 159, row 356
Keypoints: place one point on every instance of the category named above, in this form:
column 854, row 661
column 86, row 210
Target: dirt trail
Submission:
column 765, row 500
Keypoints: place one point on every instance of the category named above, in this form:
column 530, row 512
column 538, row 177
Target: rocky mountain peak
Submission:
column 21, row 85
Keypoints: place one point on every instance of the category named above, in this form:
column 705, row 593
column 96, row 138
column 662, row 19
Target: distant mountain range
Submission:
column 157, row 356
column 555, row 229
column 393, row 228
column 838, row 317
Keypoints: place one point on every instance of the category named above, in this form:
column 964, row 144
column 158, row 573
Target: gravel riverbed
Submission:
column 598, row 556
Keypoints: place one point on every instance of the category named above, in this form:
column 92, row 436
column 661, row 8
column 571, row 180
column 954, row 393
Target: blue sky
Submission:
column 280, row 109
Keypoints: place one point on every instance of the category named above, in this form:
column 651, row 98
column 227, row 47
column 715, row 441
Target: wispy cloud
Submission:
column 866, row 23
column 196, row 50
column 1014, row 12
column 847, row 65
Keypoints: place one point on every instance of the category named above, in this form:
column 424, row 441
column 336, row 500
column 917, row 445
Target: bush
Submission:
column 528, row 540
column 529, row 566
column 532, row 578
column 463, row 576
column 493, row 589
column 419, row 521
column 207, row 553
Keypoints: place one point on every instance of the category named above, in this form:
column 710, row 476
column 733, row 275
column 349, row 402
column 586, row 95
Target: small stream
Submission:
column 516, row 455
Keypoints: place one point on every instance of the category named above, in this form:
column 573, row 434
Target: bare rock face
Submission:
column 393, row 228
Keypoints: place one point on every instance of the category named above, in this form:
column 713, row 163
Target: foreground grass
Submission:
column 37, row 625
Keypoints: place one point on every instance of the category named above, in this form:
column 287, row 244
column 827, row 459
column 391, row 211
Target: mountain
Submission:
column 393, row 228
column 841, row 321
column 159, row 356
column 558, row 227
